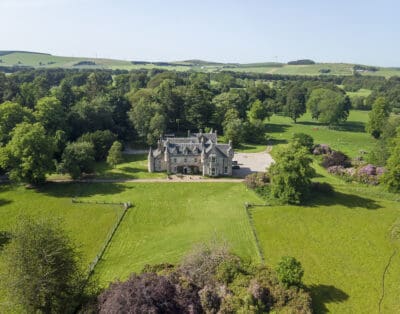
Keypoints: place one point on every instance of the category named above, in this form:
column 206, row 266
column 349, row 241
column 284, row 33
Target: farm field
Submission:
column 42, row 60
column 350, row 137
column 344, row 244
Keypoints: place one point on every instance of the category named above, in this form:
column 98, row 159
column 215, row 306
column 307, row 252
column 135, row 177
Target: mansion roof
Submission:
column 193, row 145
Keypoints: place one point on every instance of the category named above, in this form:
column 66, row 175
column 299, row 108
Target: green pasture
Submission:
column 344, row 244
column 349, row 137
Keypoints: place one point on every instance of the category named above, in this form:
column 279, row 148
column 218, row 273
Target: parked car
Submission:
column 235, row 165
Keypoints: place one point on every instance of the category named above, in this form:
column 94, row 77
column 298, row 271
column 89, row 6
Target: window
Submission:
column 213, row 158
column 226, row 170
column 195, row 160
column 213, row 171
column 185, row 160
column 174, row 160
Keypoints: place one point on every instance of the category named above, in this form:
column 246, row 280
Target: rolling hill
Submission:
column 44, row 60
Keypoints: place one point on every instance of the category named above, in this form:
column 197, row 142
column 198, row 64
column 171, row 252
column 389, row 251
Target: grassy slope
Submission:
column 33, row 59
column 349, row 137
column 168, row 219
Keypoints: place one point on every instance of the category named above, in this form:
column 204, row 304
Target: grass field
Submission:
column 343, row 243
column 46, row 60
column 168, row 219
column 350, row 137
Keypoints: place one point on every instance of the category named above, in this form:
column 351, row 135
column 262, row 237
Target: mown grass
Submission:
column 349, row 137
column 343, row 242
column 133, row 167
column 168, row 219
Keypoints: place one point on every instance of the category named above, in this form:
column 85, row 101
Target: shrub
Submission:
column 322, row 149
column 290, row 271
column 256, row 180
column 336, row 158
column 304, row 140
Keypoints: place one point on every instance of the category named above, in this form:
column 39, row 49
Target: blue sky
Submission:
column 231, row 31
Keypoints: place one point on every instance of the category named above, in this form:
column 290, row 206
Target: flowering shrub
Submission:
column 322, row 149
column 256, row 180
column 369, row 174
column 336, row 158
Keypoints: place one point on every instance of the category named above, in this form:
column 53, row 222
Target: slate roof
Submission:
column 192, row 146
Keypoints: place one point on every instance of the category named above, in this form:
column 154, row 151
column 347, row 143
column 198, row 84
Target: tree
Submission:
column 115, row 154
column 12, row 114
column 77, row 158
column 50, row 113
column 101, row 140
column 391, row 178
column 28, row 155
column 290, row 271
column 42, row 269
column 258, row 111
column 304, row 140
column 233, row 127
column 291, row 174
column 328, row 106
column 378, row 117
column 295, row 105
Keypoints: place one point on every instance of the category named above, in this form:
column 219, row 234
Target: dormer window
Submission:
column 213, row 158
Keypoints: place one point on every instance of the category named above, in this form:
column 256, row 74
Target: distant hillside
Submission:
column 13, row 60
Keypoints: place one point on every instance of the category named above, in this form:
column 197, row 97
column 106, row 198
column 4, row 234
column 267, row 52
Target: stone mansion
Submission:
column 199, row 153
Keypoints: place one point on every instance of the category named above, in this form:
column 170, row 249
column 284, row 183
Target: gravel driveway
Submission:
column 251, row 162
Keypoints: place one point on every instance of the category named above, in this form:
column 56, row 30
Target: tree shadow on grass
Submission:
column 82, row 189
column 5, row 238
column 275, row 141
column 323, row 294
column 277, row 128
column 342, row 199
column 4, row 202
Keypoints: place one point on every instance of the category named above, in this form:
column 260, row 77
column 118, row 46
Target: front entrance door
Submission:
column 185, row 170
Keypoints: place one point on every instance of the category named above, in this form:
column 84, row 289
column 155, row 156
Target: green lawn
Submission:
column 350, row 137
column 168, row 219
column 360, row 93
column 344, row 244
column 133, row 167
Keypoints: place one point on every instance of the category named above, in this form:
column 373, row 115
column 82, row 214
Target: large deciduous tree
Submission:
column 51, row 114
column 291, row 174
column 77, row 158
column 12, row 114
column 42, row 271
column 328, row 106
column 295, row 105
column 391, row 177
column 28, row 156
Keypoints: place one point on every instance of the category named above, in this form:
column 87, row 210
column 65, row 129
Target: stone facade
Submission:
column 199, row 153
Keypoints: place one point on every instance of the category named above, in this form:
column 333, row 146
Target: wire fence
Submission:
column 260, row 252
column 106, row 243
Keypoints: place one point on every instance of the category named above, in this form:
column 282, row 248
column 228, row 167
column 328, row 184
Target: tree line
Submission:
column 65, row 120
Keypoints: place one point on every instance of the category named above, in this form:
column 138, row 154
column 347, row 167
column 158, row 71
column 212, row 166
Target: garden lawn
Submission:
column 343, row 242
column 349, row 137
column 168, row 219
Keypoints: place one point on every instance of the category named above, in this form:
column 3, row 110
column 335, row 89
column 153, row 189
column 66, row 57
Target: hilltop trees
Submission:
column 28, row 155
column 378, row 117
column 42, row 272
column 291, row 174
column 328, row 106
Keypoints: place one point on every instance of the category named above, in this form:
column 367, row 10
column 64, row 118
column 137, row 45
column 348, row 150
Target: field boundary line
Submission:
column 254, row 231
column 111, row 233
